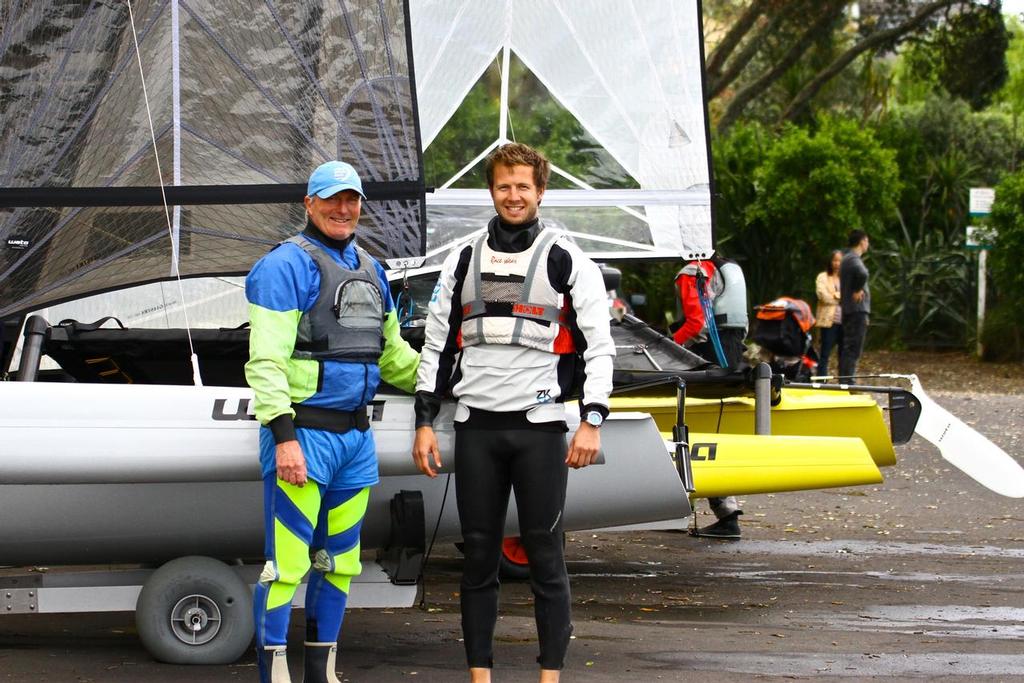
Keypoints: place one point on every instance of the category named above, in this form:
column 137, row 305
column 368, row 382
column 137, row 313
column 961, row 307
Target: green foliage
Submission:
column 1012, row 93
column 920, row 296
column 939, row 124
column 942, row 149
column 473, row 126
column 653, row 279
column 811, row 190
column 1008, row 219
column 535, row 118
column 1001, row 337
column 966, row 56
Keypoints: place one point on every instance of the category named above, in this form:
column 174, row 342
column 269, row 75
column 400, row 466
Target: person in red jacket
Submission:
column 725, row 293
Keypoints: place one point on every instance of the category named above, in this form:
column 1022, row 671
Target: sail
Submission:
column 629, row 72
column 245, row 100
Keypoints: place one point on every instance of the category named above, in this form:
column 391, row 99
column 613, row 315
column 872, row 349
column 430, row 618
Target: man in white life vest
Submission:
column 516, row 317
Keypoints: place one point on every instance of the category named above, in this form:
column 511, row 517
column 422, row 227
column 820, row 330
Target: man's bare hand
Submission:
column 291, row 463
column 583, row 448
column 424, row 449
column 858, row 296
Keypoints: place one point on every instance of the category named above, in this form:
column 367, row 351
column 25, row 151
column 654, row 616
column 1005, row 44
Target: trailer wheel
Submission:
column 195, row 610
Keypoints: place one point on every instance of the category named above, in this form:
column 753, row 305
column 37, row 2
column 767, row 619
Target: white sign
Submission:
column 979, row 237
column 405, row 263
column 981, row 201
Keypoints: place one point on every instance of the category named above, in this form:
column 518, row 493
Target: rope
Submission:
column 196, row 378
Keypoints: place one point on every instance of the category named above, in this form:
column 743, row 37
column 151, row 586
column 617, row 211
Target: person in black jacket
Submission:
column 855, row 301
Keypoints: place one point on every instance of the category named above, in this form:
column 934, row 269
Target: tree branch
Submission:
column 750, row 49
column 716, row 60
column 745, row 95
column 808, row 92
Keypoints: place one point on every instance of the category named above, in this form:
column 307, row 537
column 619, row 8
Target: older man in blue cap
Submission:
column 323, row 334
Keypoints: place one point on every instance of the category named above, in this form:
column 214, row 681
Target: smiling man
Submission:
column 323, row 334
column 516, row 317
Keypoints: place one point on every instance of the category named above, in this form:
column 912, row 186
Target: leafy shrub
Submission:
column 1005, row 259
column 811, row 190
column 921, row 292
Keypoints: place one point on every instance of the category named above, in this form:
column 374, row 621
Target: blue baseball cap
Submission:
column 331, row 178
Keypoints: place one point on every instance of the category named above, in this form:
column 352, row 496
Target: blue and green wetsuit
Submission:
column 326, row 514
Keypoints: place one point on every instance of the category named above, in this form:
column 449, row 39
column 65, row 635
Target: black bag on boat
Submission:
column 783, row 326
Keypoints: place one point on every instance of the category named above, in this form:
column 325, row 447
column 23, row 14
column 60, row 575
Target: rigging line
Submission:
column 196, row 378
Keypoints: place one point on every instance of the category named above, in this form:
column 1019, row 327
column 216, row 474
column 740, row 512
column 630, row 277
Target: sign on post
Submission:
column 982, row 239
column 981, row 201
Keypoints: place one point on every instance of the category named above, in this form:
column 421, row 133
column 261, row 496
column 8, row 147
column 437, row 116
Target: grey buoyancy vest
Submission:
column 509, row 298
column 731, row 304
column 347, row 321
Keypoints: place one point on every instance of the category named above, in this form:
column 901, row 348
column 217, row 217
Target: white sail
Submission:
column 629, row 71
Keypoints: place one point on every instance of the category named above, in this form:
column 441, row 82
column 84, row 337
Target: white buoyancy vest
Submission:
column 731, row 304
column 509, row 298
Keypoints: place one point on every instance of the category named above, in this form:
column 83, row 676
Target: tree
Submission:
column 1008, row 220
column 1002, row 334
column 767, row 39
column 965, row 56
column 810, row 190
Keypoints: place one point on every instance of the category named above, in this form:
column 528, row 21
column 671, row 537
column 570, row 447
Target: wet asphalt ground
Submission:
column 921, row 577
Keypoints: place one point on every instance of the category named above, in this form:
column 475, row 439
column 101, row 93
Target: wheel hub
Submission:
column 195, row 619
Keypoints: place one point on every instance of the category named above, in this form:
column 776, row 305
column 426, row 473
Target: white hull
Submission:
column 166, row 471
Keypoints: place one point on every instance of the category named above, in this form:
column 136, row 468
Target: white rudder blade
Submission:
column 964, row 447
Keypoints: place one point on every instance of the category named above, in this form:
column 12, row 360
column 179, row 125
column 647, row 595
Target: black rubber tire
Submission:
column 513, row 571
column 201, row 591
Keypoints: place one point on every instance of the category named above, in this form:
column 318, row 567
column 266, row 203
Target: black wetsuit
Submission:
column 510, row 434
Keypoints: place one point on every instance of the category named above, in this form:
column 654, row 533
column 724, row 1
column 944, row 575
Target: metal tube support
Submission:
column 763, row 399
column 32, row 350
column 681, row 436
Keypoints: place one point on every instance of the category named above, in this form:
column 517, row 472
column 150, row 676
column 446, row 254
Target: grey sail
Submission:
column 245, row 99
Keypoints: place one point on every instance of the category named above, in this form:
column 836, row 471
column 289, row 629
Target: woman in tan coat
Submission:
column 829, row 316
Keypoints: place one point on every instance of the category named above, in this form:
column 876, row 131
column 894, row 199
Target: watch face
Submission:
column 594, row 419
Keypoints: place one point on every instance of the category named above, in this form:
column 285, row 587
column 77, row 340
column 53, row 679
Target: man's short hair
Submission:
column 855, row 237
column 518, row 154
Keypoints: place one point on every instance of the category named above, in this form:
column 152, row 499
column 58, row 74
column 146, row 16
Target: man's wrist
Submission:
column 283, row 428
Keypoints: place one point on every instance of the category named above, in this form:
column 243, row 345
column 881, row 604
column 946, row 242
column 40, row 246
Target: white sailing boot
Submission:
column 272, row 662
column 320, row 662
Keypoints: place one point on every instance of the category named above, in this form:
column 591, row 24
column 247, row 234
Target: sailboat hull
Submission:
column 801, row 412
column 166, row 471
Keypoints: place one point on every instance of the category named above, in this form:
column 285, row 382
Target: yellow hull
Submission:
column 802, row 412
column 734, row 464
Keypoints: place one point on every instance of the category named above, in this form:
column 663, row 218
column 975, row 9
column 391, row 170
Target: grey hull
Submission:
column 165, row 473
